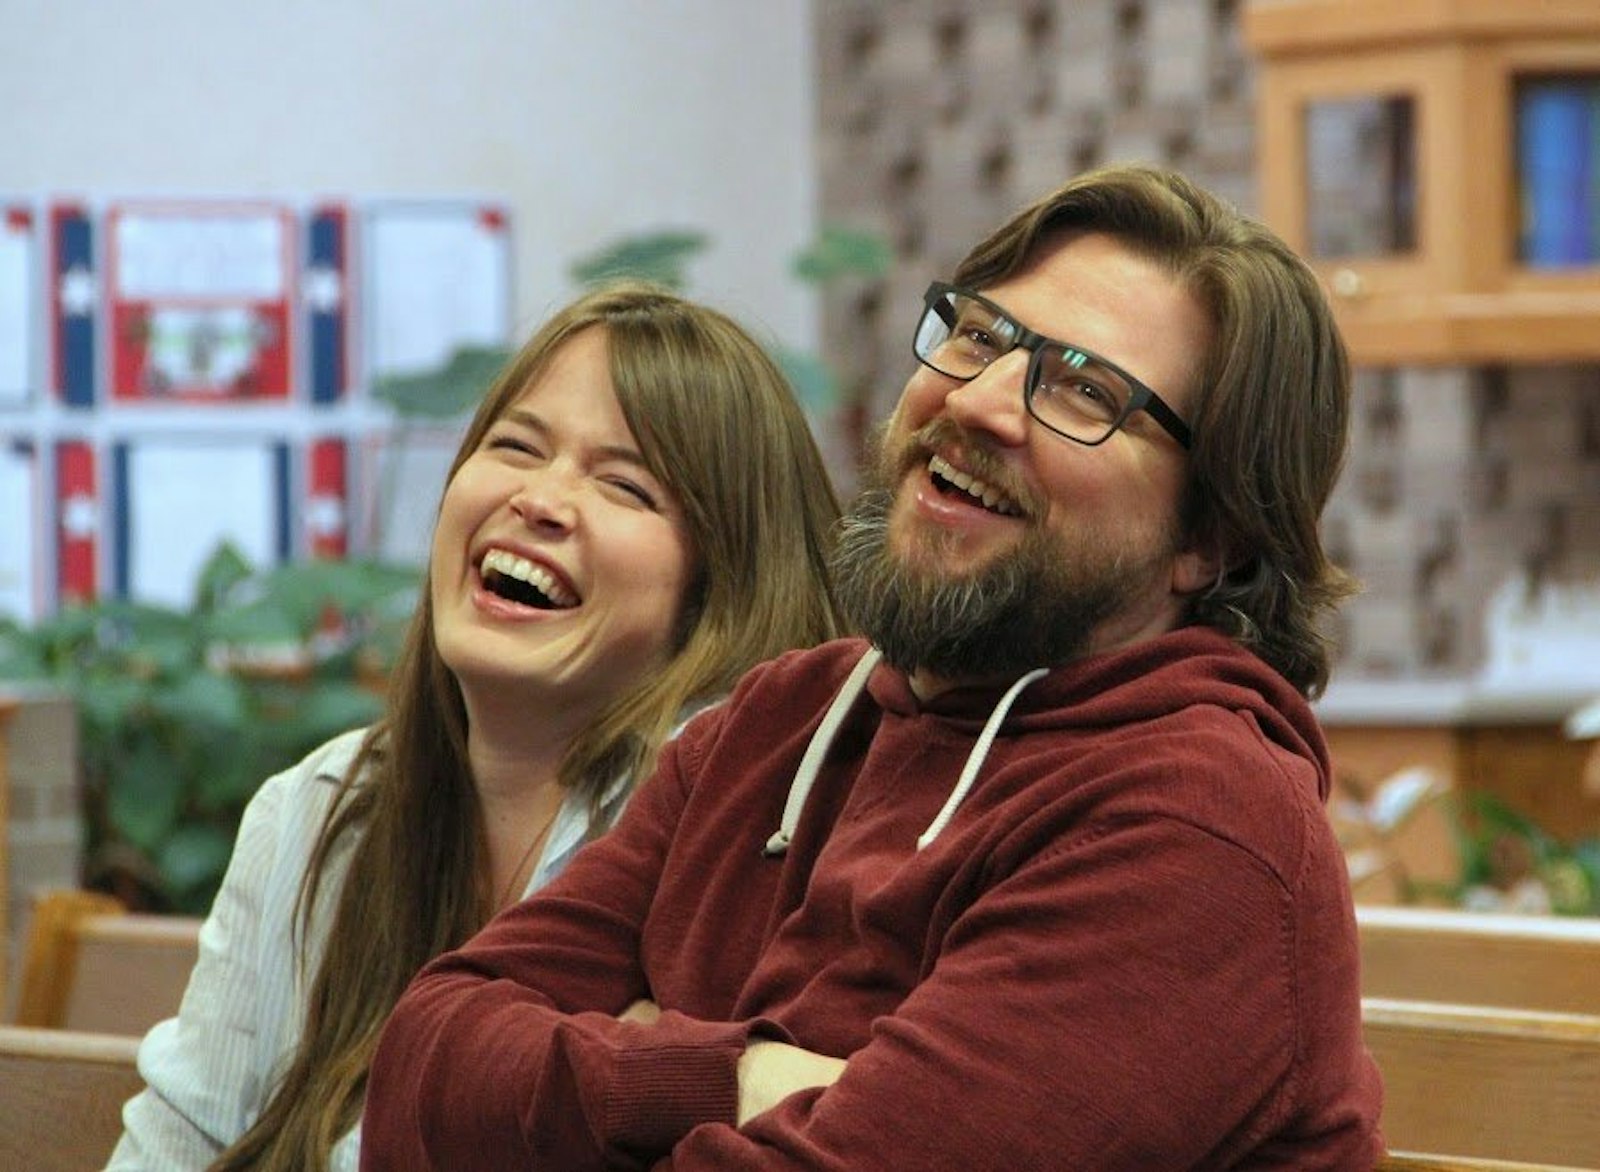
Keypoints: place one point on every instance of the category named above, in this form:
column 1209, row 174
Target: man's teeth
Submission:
column 993, row 499
column 510, row 565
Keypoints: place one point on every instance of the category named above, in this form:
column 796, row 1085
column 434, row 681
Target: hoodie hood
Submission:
column 1193, row 666
column 1144, row 682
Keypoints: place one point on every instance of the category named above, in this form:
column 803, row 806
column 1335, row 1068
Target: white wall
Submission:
column 592, row 119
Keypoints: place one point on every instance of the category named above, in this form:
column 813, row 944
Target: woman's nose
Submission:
column 992, row 400
column 547, row 501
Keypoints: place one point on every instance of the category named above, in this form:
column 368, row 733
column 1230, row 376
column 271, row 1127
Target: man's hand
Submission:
column 770, row 1072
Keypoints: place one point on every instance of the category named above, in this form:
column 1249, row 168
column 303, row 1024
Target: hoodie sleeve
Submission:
column 507, row 1053
column 1126, row 1002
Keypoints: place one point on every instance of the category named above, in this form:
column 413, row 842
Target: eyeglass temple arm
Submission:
column 1168, row 418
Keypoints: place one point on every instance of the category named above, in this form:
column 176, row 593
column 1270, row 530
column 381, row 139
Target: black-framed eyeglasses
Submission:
column 1074, row 393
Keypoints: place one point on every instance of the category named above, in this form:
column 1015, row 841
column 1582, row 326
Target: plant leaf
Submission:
column 235, row 774
column 112, row 702
column 291, row 603
column 446, row 391
column 659, row 257
column 843, row 252
column 147, row 794
column 222, row 572
column 22, row 653
column 811, row 378
column 203, row 698
column 194, row 858
column 263, row 621
column 326, row 708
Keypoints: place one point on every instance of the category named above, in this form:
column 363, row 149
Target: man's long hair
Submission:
column 1270, row 414
column 718, row 425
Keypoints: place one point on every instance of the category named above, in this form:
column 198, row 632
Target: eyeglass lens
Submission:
column 1068, row 391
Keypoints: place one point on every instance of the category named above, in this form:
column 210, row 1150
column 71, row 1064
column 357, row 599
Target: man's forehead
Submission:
column 1084, row 282
column 1094, row 290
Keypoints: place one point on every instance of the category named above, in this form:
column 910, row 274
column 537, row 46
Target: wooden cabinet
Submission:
column 1425, row 93
column 1532, row 767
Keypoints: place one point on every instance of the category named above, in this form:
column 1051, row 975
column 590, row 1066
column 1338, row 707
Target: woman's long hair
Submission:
column 715, row 422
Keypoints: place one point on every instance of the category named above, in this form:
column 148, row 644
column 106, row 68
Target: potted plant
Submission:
column 182, row 713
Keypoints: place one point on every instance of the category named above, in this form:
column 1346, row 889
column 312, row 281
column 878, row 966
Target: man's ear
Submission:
column 1196, row 568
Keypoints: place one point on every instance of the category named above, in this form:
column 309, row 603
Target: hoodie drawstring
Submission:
column 969, row 772
column 822, row 740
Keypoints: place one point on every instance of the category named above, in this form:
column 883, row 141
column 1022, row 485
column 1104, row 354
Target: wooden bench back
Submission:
column 1470, row 958
column 61, row 1096
column 1490, row 1084
column 1416, row 1162
column 91, row 966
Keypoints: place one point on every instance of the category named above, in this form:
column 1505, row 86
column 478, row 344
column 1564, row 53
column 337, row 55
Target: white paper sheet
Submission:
column 184, row 497
column 171, row 254
column 20, row 536
column 404, row 481
column 17, row 306
column 437, row 277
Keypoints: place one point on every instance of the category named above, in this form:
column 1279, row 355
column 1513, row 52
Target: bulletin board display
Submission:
column 180, row 371
column 200, row 301
column 402, row 479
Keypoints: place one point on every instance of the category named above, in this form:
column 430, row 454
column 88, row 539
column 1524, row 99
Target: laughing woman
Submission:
column 636, row 514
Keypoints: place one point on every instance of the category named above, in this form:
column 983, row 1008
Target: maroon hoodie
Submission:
column 1117, row 937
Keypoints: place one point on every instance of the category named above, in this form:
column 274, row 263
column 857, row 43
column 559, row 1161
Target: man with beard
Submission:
column 1036, row 876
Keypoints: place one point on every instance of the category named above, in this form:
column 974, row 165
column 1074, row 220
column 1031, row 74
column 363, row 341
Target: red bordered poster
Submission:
column 327, row 505
column 77, row 521
column 200, row 297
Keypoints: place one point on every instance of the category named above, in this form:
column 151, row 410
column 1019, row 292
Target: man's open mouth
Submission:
column 950, row 480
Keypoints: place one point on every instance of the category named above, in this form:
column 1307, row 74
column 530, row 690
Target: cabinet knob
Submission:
column 1348, row 283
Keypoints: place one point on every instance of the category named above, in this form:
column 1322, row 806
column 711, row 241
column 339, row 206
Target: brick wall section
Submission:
column 938, row 118
column 43, row 837
column 1460, row 479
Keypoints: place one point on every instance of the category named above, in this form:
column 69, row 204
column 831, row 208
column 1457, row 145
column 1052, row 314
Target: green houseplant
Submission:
column 182, row 713
column 1510, row 863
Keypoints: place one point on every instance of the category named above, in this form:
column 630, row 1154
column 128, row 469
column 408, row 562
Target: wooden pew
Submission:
column 1416, row 1162
column 61, row 1096
column 91, row 966
column 1490, row 1084
column 1472, row 958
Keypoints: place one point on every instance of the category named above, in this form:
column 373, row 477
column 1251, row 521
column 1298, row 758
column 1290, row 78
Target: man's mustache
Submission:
column 977, row 459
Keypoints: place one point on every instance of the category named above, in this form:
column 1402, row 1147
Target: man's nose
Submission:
column 992, row 400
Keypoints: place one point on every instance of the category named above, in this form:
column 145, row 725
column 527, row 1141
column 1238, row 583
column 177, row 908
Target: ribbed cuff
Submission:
column 660, row 1091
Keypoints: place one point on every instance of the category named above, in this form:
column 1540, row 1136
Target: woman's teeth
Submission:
column 523, row 581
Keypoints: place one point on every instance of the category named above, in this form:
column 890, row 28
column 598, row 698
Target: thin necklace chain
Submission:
column 533, row 845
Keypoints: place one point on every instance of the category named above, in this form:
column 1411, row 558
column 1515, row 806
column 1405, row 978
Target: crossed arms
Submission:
column 767, row 1072
column 1074, row 1011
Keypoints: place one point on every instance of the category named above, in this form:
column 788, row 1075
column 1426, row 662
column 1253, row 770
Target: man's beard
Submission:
column 1037, row 604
